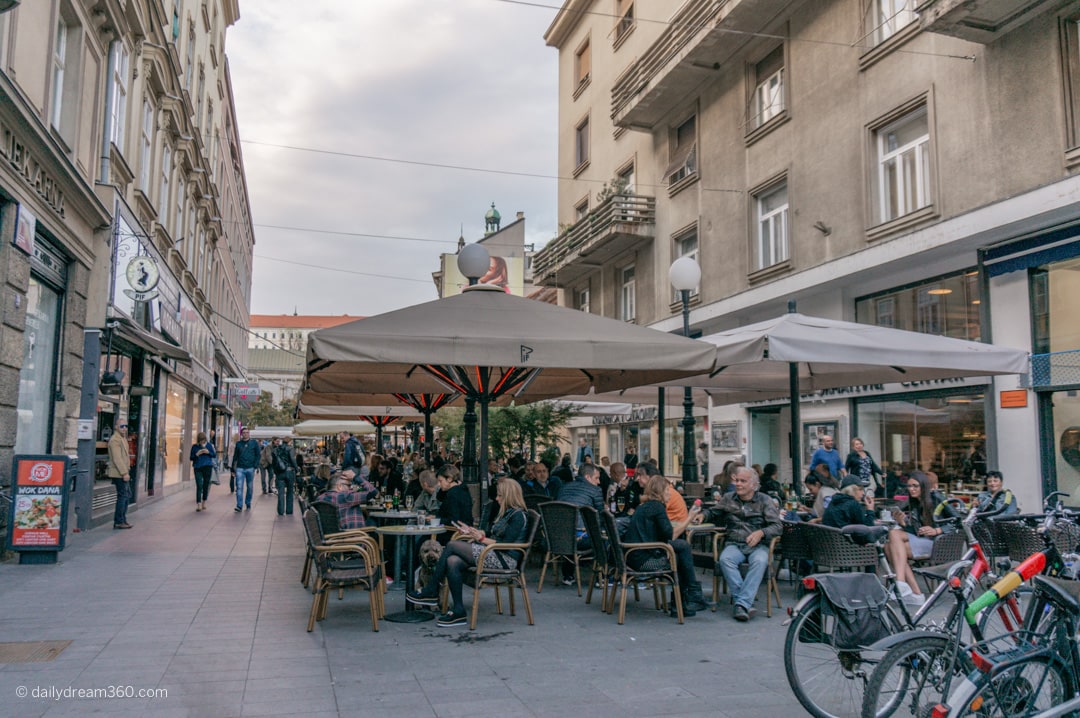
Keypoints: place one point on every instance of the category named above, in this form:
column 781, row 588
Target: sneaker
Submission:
column 248, row 507
column 418, row 599
column 914, row 599
column 450, row 618
column 741, row 614
column 568, row 582
column 750, row 613
column 238, row 509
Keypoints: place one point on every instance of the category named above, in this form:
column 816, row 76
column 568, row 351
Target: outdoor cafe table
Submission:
column 389, row 518
column 702, row 558
column 410, row 614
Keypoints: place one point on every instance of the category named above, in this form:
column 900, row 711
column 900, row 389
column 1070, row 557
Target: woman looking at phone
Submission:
column 915, row 533
column 509, row 526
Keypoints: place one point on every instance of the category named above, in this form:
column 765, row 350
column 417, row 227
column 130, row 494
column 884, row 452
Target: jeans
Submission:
column 744, row 590
column 264, row 476
column 454, row 562
column 244, row 477
column 203, row 474
column 286, row 487
column 123, row 498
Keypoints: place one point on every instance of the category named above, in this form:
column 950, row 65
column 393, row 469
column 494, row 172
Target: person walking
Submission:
column 203, row 455
column 245, row 460
column 265, row 476
column 285, row 469
column 861, row 464
column 119, row 470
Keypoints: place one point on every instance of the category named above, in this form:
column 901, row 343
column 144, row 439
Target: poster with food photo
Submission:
column 37, row 520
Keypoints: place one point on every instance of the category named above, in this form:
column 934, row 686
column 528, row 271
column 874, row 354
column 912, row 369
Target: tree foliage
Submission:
column 263, row 412
column 512, row 429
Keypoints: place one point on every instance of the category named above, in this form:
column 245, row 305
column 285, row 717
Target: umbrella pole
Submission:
column 660, row 417
column 428, row 438
column 484, row 478
column 468, row 459
column 796, row 463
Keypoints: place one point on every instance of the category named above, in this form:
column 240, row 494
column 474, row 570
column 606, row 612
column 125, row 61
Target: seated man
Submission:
column 620, row 491
column 348, row 500
column 584, row 491
column 542, row 483
column 428, row 499
column 752, row 521
column 997, row 496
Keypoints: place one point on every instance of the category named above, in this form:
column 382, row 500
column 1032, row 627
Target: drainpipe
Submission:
column 110, row 93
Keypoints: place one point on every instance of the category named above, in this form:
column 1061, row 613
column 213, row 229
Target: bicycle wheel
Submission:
column 1026, row 689
column 828, row 682
column 999, row 619
column 913, row 677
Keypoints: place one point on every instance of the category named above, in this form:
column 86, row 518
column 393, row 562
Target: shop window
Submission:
column 1055, row 294
column 947, row 306
column 37, row 376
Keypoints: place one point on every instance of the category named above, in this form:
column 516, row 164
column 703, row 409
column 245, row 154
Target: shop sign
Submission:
column 38, row 518
column 876, row 389
column 25, row 227
column 33, row 173
column 644, row 414
column 1014, row 399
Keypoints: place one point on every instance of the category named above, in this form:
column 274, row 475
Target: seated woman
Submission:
column 511, row 524
column 650, row 523
column 769, row 483
column 997, row 496
column 915, row 532
column 821, row 494
column 850, row 506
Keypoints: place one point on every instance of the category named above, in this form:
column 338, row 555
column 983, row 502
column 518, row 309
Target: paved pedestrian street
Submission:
column 204, row 614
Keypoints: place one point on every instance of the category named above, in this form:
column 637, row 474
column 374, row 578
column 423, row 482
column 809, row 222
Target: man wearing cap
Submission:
column 119, row 470
column 349, row 502
column 850, row 506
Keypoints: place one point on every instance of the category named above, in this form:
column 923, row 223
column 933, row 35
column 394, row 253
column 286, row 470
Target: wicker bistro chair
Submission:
column 772, row 590
column 340, row 566
column 794, row 548
column 830, row 548
column 948, row 549
column 992, row 540
column 332, row 532
column 560, row 535
column 627, row 577
column 601, row 563
column 510, row 577
column 1023, row 540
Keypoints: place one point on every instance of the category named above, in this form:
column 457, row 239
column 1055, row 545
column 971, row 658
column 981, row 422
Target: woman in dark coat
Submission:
column 202, row 458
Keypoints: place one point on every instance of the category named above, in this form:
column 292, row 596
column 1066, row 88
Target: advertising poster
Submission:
column 25, row 227
column 38, row 495
column 506, row 272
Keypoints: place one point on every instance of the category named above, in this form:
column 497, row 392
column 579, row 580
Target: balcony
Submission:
column 701, row 37
column 618, row 225
column 982, row 21
column 1056, row 369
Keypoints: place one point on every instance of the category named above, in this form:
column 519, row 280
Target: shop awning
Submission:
column 220, row 407
column 128, row 330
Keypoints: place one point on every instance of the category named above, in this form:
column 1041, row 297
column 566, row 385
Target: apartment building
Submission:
column 277, row 347
column 127, row 263
column 908, row 164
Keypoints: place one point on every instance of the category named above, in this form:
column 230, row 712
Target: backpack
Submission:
column 280, row 464
column 857, row 603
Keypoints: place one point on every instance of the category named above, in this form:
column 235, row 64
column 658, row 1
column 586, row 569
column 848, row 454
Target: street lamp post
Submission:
column 473, row 260
column 685, row 275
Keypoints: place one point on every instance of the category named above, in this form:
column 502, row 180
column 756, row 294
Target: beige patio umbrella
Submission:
column 485, row 344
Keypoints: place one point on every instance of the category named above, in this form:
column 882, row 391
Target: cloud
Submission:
column 461, row 82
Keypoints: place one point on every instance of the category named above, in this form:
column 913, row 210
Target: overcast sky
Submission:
column 456, row 82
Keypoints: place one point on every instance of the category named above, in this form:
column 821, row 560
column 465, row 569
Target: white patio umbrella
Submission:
column 326, row 427
column 378, row 416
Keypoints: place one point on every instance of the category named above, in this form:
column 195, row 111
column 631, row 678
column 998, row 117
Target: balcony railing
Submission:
column 1056, row 369
column 702, row 36
column 616, row 226
column 982, row 22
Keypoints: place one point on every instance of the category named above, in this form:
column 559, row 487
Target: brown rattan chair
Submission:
column 342, row 565
column 481, row 575
column 560, row 536
column 772, row 590
column 627, row 577
column 829, row 548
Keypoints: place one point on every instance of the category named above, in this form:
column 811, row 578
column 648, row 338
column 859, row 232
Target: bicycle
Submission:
column 828, row 677
column 918, row 670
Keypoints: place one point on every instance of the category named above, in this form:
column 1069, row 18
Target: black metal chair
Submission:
column 794, row 548
column 830, row 548
column 627, row 577
column 601, row 563
column 481, row 575
column 560, row 536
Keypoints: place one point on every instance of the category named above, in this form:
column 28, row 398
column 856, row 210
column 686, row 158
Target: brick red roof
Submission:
column 299, row 321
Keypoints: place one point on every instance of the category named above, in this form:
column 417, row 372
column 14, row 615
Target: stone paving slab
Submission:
column 208, row 607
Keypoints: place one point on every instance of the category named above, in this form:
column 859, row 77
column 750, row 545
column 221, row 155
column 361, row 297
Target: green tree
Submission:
column 263, row 412
column 511, row 429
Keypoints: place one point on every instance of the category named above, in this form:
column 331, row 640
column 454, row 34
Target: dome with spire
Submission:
column 492, row 218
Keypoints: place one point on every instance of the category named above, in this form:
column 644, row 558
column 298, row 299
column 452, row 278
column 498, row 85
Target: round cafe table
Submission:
column 388, row 517
column 406, row 540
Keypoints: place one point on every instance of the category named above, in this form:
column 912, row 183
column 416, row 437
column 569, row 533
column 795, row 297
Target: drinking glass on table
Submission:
column 408, row 503
column 620, row 504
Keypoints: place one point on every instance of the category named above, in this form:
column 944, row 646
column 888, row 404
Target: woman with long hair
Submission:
column 202, row 458
column 510, row 525
column 650, row 523
column 913, row 538
column 861, row 463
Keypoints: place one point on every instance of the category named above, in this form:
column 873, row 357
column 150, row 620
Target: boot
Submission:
column 687, row 610
column 693, row 601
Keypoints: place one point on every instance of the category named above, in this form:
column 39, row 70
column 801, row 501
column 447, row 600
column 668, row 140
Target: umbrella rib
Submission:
column 533, row 373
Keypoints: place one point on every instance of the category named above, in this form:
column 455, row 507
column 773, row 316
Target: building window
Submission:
column 581, row 143
column 625, row 23
column 1053, row 291
column 118, row 110
column 947, row 306
column 59, row 61
column 903, row 165
column 771, row 246
column 683, row 154
column 189, row 59
column 581, row 299
column 581, row 210
column 37, row 376
column 890, row 17
column 180, row 197
column 582, row 66
column 146, row 146
column 627, row 294
column 199, row 96
column 163, row 197
column 1070, row 51
column 768, row 100
column 625, row 178
column 685, row 245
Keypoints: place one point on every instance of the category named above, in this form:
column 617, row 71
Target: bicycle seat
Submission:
column 864, row 535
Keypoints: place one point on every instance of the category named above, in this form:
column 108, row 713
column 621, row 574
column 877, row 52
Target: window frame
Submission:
column 891, row 163
column 878, row 31
column 678, row 251
column 59, row 67
column 625, row 22
column 582, row 144
column 771, row 217
column 1069, row 30
column 759, row 74
column 146, row 145
column 582, row 66
column 877, row 224
column 628, row 293
column 683, row 155
column 583, row 299
column 118, row 110
column 165, row 188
